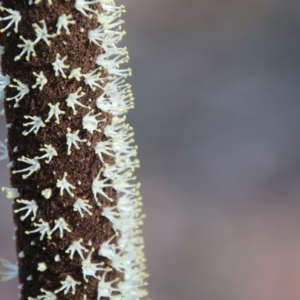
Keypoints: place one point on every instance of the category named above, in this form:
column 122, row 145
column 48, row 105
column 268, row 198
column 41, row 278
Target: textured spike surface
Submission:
column 52, row 98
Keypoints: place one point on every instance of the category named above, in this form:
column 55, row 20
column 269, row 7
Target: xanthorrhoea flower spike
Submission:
column 76, row 204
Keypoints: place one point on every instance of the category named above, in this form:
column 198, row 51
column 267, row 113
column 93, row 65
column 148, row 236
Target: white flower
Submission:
column 11, row 272
column 76, row 247
column 59, row 65
column 106, row 20
column 81, row 205
column 36, row 123
column 98, row 187
column 42, row 33
column 67, row 284
column 4, row 81
column 54, row 111
column 30, row 206
column 27, row 48
column 105, row 287
column 41, row 80
column 104, row 147
column 75, row 73
column 83, row 6
column 10, row 193
column 90, row 123
column 43, row 228
column 63, row 184
column 34, row 165
column 50, row 152
column 47, row 296
column 89, row 268
column 14, row 17
column 110, row 213
column 72, row 139
column 108, row 250
column 73, row 99
column 63, row 22
column 21, row 87
column 3, row 151
column 61, row 225
column 91, row 79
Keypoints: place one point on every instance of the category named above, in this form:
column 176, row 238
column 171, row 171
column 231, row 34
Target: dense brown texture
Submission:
column 82, row 165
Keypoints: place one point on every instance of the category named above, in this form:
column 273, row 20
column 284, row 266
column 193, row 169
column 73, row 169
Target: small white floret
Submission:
column 10, row 193
column 34, row 165
column 42, row 33
column 105, row 288
column 98, row 187
column 47, row 295
column 83, row 6
column 30, row 206
column 89, row 268
column 75, row 73
column 108, row 250
column 36, row 124
column 28, row 48
column 21, row 87
column 104, row 147
column 67, row 284
column 73, row 139
column 14, row 18
column 59, row 65
column 73, row 99
column 61, row 225
column 54, row 111
column 63, row 22
column 12, row 270
column 41, row 80
column 76, row 247
column 63, row 184
column 43, row 228
column 90, row 123
column 92, row 79
column 49, row 153
column 81, row 205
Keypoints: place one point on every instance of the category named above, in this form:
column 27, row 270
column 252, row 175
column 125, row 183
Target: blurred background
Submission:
column 217, row 121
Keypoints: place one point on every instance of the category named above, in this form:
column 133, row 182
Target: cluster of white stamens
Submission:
column 14, row 18
column 126, row 253
column 63, row 22
column 59, row 65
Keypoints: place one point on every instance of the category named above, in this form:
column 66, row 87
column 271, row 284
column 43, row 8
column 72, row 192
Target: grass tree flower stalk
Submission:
column 76, row 202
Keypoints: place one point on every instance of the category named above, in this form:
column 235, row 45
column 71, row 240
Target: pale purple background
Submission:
column 217, row 121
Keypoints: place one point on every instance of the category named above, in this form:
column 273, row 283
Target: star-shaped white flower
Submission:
column 30, row 206
column 14, row 18
column 49, row 153
column 21, row 87
column 43, row 228
column 34, row 165
column 67, row 284
column 98, row 187
column 73, row 139
column 73, row 99
column 54, row 111
column 63, row 184
column 12, row 270
column 59, row 65
column 42, row 33
column 63, row 22
column 36, row 124
column 41, row 80
column 81, row 205
column 61, row 225
column 76, row 247
column 28, row 48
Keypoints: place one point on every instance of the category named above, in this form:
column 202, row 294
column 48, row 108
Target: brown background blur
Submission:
column 217, row 121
